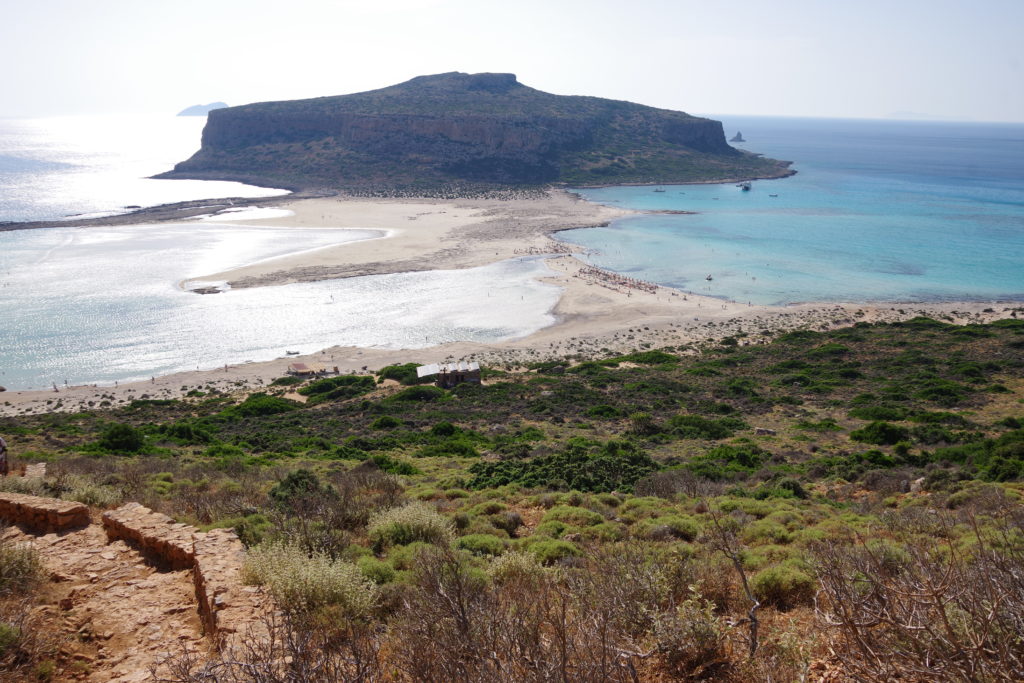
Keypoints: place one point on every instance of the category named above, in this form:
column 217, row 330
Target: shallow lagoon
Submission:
column 104, row 304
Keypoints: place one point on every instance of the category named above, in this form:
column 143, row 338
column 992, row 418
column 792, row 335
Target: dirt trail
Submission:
column 119, row 616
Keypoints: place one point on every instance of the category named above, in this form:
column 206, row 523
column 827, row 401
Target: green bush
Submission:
column 260, row 405
column 697, row 427
column 574, row 516
column 121, row 438
column 783, row 586
column 880, row 433
column 403, row 374
column 423, row 393
column 337, row 388
column 385, row 422
column 416, row 521
column 481, row 544
column 550, row 551
column 582, row 466
column 669, row 527
column 376, row 570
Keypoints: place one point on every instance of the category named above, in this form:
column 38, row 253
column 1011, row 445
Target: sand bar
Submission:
column 595, row 315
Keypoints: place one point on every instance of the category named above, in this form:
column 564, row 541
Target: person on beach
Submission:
column 3, row 457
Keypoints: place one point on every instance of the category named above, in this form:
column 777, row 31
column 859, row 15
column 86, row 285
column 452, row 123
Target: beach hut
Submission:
column 451, row 374
column 306, row 369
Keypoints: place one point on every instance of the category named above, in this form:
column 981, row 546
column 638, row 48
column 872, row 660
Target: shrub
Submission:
column 583, row 466
column 385, row 422
column 549, row 551
column 880, row 433
column 482, row 544
column 337, row 388
column 298, row 484
column 403, row 374
column 259, row 404
column 575, row 516
column 376, row 570
column 424, row 393
column 691, row 640
column 302, row 582
column 21, row 568
column 670, row 527
column 122, row 438
column 416, row 521
column 783, row 586
column 697, row 427
column 515, row 566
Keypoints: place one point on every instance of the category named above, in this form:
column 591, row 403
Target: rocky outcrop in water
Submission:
column 456, row 128
column 201, row 109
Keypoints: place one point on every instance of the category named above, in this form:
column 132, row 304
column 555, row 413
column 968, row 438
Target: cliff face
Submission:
column 456, row 128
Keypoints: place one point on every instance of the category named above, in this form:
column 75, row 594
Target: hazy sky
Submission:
column 957, row 59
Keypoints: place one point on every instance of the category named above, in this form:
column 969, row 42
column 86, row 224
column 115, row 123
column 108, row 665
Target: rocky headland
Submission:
column 466, row 131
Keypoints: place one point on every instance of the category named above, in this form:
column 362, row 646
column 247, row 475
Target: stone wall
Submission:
column 46, row 515
column 229, row 609
column 156, row 535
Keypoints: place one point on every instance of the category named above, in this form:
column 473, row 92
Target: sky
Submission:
column 945, row 59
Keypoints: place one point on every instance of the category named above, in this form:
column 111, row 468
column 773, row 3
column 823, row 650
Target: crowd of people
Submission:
column 614, row 281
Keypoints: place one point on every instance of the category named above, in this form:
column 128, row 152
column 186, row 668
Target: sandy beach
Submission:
column 598, row 312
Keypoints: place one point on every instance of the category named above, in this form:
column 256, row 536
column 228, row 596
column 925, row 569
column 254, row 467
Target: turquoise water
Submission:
column 878, row 211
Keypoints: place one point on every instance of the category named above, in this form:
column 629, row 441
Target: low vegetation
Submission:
column 844, row 502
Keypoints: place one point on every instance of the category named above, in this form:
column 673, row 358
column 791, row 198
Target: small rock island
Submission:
column 201, row 109
column 737, row 138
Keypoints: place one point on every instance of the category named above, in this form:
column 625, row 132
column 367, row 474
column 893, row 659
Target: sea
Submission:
column 92, row 166
column 883, row 211
column 878, row 211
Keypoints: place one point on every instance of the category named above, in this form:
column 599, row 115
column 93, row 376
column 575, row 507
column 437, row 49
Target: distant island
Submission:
column 201, row 109
column 457, row 129
column 737, row 138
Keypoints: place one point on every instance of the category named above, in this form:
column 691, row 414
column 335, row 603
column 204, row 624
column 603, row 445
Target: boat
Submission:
column 709, row 278
column 744, row 186
column 773, row 195
column 292, row 353
column 658, row 189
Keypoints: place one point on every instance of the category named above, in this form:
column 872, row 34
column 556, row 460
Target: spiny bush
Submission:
column 21, row 568
column 482, row 544
column 304, row 582
column 515, row 567
column 784, row 586
column 415, row 521
column 691, row 639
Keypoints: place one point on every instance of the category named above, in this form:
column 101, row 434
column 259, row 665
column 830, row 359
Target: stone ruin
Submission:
column 230, row 611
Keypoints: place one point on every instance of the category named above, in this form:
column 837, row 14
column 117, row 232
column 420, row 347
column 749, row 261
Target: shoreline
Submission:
column 595, row 314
